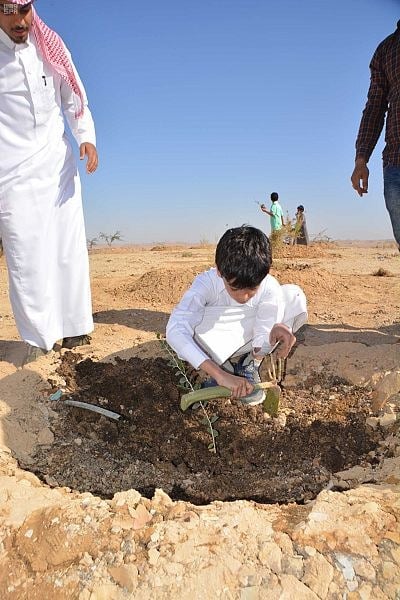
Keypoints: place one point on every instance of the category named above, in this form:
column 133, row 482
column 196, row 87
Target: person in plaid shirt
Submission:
column 383, row 99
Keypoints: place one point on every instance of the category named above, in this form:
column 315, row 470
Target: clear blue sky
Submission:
column 204, row 107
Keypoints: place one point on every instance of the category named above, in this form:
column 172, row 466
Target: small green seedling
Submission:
column 185, row 383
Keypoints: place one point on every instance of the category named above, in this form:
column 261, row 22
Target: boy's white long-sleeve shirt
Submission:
column 208, row 289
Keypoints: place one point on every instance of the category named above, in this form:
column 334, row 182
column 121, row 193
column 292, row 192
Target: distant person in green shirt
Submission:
column 275, row 212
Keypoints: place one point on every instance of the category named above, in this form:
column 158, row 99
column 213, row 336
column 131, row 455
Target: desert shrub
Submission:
column 382, row 273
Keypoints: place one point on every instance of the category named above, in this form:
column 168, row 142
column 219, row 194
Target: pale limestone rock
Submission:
column 365, row 591
column 335, row 591
column 352, row 585
column 185, row 552
column 270, row 555
column 107, row 591
column 250, row 593
column 232, row 563
column 271, row 588
column 356, row 523
column 388, row 386
column 141, row 516
column 154, row 555
column 130, row 497
column 364, row 569
column 293, row 565
column 86, row 560
column 346, row 566
column 372, row 422
column 318, row 574
column 60, row 536
column 387, row 420
column 293, row 589
column 390, row 571
column 395, row 552
column 126, row 576
column 175, row 569
column 284, row 542
column 378, row 594
column 161, row 500
column 84, row 595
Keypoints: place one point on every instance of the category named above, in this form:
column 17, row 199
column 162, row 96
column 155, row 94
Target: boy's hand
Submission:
column 239, row 386
column 281, row 333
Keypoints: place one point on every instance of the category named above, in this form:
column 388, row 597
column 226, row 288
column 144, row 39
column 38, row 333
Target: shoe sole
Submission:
column 85, row 341
column 252, row 402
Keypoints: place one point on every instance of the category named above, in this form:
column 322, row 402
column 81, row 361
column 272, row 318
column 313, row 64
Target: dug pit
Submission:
column 320, row 430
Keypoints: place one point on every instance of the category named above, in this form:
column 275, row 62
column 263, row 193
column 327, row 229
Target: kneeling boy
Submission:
column 234, row 314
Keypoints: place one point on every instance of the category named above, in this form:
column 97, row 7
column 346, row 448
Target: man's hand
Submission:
column 87, row 149
column 281, row 333
column 359, row 177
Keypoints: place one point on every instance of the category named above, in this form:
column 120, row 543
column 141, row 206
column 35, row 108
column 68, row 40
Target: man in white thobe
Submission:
column 41, row 216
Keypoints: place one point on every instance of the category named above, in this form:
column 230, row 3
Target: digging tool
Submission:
column 219, row 391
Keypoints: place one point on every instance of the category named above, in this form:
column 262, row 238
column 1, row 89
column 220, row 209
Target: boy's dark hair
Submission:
column 274, row 196
column 243, row 256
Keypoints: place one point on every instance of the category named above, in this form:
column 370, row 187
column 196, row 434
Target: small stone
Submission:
column 347, row 567
column 352, row 585
column 281, row 419
column 126, row 576
column 154, row 555
column 45, row 437
column 318, row 574
column 390, row 571
column 293, row 565
column 51, row 481
column 387, row 420
column 364, row 569
column 78, row 441
column 270, row 556
column 86, row 560
column 250, row 593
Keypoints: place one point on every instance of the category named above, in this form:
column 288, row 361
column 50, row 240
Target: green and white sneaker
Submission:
column 248, row 367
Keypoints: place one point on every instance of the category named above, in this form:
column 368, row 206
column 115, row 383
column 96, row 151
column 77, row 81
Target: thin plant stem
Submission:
column 179, row 365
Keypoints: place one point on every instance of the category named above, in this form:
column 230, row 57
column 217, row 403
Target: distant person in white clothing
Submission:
column 41, row 217
column 237, row 310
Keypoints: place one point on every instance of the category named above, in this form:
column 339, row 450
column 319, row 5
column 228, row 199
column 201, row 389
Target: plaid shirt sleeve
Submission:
column 373, row 116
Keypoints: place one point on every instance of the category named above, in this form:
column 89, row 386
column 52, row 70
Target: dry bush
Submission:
column 382, row 273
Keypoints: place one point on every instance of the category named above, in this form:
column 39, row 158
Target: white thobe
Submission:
column 209, row 323
column 41, row 216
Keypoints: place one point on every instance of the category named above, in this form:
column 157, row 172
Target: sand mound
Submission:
column 162, row 286
column 314, row 282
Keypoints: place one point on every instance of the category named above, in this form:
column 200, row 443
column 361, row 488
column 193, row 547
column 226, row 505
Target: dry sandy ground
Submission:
column 59, row 543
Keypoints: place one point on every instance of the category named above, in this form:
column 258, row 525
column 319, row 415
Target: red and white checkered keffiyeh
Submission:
column 53, row 52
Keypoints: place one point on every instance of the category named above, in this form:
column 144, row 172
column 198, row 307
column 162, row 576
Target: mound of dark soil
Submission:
column 156, row 445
